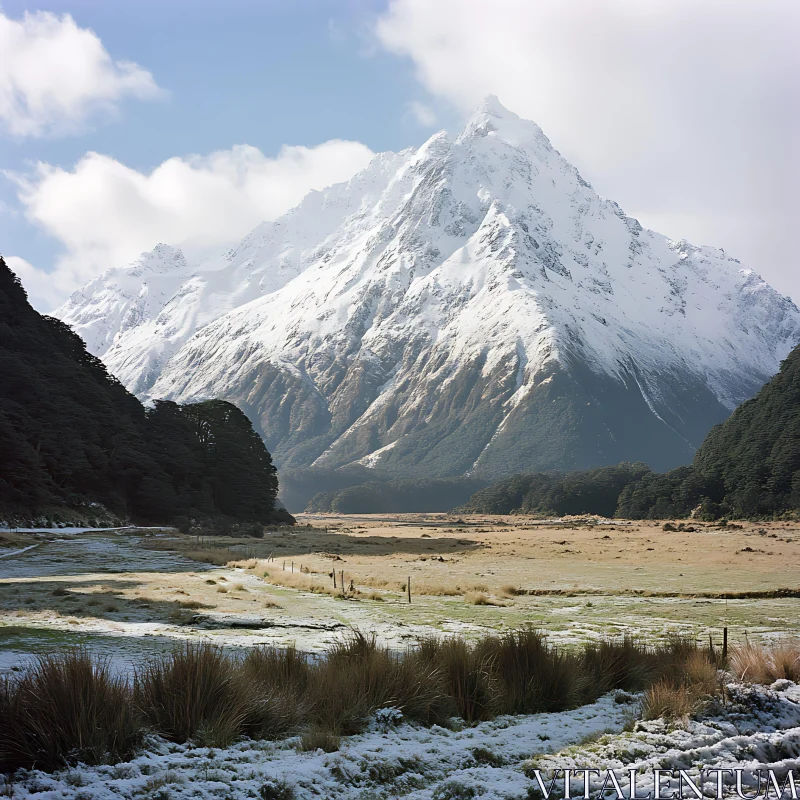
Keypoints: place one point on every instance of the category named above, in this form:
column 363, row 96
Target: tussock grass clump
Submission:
column 481, row 599
column 66, row 708
column 756, row 664
column 701, row 674
column 193, row 690
column 785, row 659
column 193, row 605
column 534, row 675
column 467, row 674
column 280, row 678
column 318, row 738
column 619, row 664
column 668, row 700
column 687, row 679
column 359, row 676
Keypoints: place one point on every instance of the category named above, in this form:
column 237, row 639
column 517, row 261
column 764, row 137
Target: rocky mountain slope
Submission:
column 472, row 306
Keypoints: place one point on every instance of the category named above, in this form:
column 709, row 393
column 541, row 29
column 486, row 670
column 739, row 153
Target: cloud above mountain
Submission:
column 105, row 213
column 56, row 76
column 684, row 112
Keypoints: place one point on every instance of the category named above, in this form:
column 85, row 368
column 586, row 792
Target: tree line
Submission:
column 71, row 435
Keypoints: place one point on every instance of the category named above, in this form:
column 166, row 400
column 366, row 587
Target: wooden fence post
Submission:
column 408, row 588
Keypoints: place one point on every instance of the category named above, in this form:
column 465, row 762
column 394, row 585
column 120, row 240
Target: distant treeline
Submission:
column 397, row 496
column 300, row 486
column 747, row 467
column 71, row 435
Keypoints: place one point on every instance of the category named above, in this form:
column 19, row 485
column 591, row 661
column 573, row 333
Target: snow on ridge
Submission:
column 484, row 249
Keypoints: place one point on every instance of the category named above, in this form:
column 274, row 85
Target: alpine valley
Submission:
column 468, row 307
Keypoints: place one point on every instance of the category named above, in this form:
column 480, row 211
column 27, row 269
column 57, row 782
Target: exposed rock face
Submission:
column 471, row 306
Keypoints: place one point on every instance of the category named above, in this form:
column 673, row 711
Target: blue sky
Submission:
column 260, row 73
column 684, row 113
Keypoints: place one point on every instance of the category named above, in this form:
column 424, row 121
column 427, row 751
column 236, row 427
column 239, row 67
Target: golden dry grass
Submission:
column 515, row 556
column 701, row 674
column 532, row 568
column 481, row 599
column 764, row 665
column 668, row 700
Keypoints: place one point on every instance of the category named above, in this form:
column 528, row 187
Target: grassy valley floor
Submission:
column 128, row 592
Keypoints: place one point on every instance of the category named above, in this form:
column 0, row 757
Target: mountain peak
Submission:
column 464, row 307
column 162, row 258
column 491, row 105
column 492, row 118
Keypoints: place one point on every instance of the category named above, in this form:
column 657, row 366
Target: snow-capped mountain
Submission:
column 470, row 306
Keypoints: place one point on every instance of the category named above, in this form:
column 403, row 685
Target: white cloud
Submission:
column 677, row 109
column 37, row 283
column 422, row 113
column 54, row 75
column 105, row 214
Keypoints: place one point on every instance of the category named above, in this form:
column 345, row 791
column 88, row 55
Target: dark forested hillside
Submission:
column 70, row 434
column 594, row 491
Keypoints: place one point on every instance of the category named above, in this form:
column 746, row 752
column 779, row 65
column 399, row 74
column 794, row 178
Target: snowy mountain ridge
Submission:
column 471, row 305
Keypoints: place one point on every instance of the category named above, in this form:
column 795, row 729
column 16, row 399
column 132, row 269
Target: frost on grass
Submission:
column 756, row 727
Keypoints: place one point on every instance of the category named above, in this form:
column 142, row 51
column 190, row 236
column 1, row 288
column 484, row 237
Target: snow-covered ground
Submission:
column 71, row 530
column 757, row 728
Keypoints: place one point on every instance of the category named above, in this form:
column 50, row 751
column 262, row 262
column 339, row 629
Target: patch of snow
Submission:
column 373, row 459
